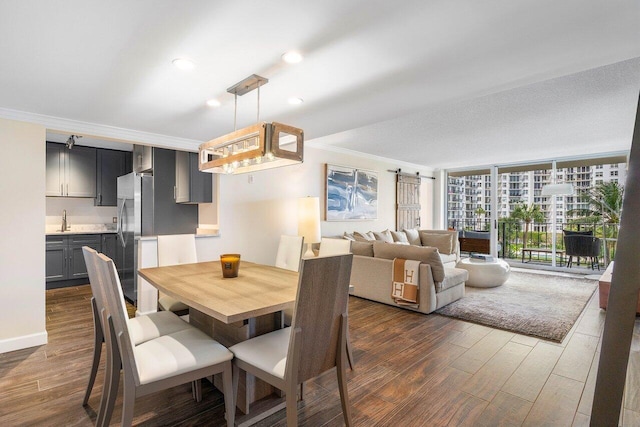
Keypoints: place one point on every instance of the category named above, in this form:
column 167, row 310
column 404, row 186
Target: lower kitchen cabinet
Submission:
column 65, row 264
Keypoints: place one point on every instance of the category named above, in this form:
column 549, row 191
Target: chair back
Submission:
column 177, row 249
column 582, row 245
column 334, row 247
column 118, row 326
column 289, row 252
column 321, row 306
column 95, row 281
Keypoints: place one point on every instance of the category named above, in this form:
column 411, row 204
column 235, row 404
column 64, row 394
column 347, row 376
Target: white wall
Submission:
column 256, row 209
column 22, row 225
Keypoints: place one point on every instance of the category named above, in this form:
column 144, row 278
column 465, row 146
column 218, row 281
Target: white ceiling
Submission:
column 425, row 82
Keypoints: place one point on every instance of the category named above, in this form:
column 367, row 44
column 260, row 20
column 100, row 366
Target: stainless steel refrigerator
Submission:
column 147, row 207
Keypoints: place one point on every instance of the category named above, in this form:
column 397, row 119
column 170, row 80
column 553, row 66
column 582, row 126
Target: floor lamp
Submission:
column 309, row 223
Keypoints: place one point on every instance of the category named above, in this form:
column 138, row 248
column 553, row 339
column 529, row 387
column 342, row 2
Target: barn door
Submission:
column 407, row 201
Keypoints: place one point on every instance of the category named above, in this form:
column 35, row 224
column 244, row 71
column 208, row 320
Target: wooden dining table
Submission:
column 230, row 310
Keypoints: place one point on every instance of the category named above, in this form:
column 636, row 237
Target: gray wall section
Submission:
column 169, row 217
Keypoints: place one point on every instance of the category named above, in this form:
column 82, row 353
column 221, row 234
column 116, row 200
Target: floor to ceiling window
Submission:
column 526, row 219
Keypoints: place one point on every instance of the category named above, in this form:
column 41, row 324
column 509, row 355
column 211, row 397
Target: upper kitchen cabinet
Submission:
column 111, row 164
column 192, row 186
column 70, row 172
column 142, row 158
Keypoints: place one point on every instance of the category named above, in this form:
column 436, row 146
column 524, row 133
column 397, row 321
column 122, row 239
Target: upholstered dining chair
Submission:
column 329, row 247
column 172, row 250
column 160, row 363
column 288, row 257
column 316, row 341
column 143, row 328
column 289, row 252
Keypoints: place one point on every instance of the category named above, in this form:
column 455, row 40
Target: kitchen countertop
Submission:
column 54, row 230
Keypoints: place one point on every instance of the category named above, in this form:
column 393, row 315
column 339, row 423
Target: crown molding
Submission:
column 62, row 125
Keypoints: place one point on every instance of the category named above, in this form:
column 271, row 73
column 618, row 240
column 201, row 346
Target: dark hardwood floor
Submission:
column 411, row 370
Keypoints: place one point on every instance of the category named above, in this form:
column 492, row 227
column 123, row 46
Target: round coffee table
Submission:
column 485, row 274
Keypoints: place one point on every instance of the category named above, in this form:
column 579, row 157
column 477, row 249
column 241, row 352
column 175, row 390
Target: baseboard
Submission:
column 25, row 341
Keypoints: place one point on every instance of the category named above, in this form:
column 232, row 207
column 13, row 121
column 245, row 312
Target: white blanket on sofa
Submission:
column 405, row 283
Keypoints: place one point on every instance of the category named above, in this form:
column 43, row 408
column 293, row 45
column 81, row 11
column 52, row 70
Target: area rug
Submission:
column 540, row 305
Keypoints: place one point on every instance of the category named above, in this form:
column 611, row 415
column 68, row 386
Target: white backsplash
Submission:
column 79, row 211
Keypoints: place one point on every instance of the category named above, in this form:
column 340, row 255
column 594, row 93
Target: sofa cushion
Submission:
column 362, row 248
column 384, row 236
column 413, row 236
column 427, row 255
column 444, row 242
column 449, row 259
column 452, row 277
column 399, row 236
column 363, row 237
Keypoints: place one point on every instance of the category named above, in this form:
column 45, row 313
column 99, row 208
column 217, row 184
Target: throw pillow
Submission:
column 413, row 236
column 399, row 236
column 426, row 255
column 384, row 236
column 348, row 236
column 363, row 237
column 362, row 248
column 440, row 241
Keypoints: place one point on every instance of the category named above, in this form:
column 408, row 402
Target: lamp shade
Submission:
column 309, row 219
column 558, row 190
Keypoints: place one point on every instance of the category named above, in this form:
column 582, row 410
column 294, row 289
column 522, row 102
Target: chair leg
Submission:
column 111, row 381
column 235, row 380
column 196, row 390
column 98, row 339
column 292, row 404
column 229, row 394
column 128, row 402
column 350, row 352
column 342, row 373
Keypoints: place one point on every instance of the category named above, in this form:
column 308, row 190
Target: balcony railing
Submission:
column 540, row 235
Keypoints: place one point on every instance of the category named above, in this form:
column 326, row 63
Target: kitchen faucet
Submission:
column 64, row 220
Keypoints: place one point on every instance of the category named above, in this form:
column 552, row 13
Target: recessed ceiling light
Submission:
column 292, row 57
column 183, row 63
column 296, row 101
column 213, row 103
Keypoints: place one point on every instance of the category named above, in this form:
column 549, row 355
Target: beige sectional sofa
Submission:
column 440, row 281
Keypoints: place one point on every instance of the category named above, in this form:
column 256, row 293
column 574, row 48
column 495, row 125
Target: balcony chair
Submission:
column 316, row 341
column 582, row 245
column 157, row 364
column 143, row 328
column 172, row 250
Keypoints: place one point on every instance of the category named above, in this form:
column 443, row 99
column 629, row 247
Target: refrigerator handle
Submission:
column 120, row 224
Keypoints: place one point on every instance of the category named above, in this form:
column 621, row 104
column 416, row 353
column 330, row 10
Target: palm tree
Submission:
column 604, row 203
column 528, row 214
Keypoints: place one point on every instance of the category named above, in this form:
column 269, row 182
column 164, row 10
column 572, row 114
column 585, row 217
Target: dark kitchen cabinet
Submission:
column 64, row 257
column 70, row 172
column 56, row 258
column 142, row 158
column 109, row 246
column 192, row 186
column 110, row 165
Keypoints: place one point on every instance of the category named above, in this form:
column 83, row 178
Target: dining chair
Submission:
column 157, row 364
column 329, row 247
column 143, row 328
column 289, row 252
column 288, row 257
column 172, row 250
column 316, row 341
